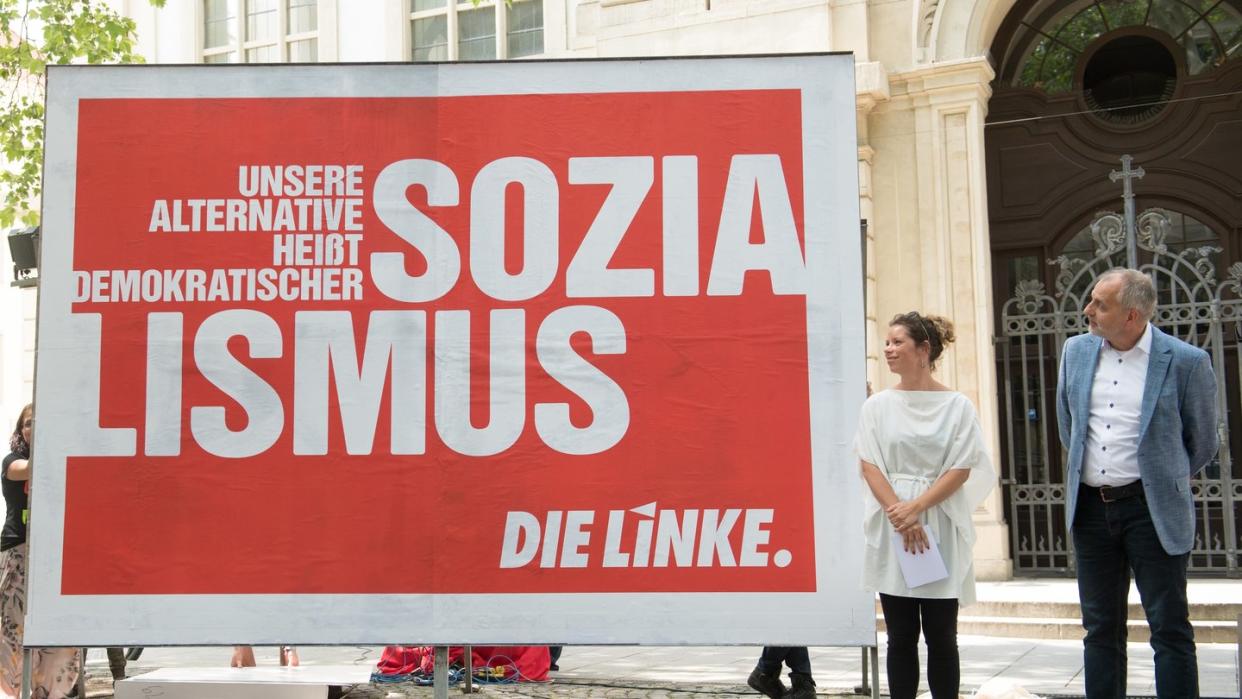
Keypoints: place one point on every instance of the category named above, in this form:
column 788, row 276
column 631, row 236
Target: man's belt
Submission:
column 1118, row 492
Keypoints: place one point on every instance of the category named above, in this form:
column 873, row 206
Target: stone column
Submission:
column 937, row 117
column 871, row 82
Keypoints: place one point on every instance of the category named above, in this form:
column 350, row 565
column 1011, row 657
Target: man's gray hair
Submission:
column 1137, row 291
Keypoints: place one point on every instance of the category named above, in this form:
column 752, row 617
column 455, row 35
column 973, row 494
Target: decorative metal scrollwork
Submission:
column 1233, row 281
column 1070, row 269
column 1108, row 231
column 1029, row 295
column 1153, row 231
column 1204, row 265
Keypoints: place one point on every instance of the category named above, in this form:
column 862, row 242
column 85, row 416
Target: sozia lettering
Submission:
column 360, row 354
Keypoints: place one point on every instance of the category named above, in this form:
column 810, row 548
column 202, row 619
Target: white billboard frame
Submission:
column 838, row 613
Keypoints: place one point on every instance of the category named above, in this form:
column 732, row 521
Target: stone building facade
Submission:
column 986, row 132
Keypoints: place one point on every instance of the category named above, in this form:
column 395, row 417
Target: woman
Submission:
column 926, row 468
column 55, row 670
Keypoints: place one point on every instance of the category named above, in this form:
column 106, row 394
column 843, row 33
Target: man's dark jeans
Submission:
column 1111, row 541
column 796, row 657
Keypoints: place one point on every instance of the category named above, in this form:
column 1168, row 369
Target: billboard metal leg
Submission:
column 81, row 683
column 467, row 687
column 27, row 665
column 865, row 687
column 440, row 673
column 875, row 671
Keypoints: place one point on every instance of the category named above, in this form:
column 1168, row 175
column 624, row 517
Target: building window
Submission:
column 453, row 30
column 1130, row 79
column 260, row 31
column 525, row 29
column 1209, row 32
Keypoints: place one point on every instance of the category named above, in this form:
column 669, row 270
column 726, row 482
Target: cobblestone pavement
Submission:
column 1047, row 668
column 99, row 686
column 584, row 689
column 578, row 689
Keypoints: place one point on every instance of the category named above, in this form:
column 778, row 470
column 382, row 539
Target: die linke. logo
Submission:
column 645, row 536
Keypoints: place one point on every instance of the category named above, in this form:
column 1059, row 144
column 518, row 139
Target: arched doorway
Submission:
column 1078, row 85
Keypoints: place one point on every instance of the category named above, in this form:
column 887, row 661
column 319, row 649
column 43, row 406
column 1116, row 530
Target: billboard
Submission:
column 488, row 353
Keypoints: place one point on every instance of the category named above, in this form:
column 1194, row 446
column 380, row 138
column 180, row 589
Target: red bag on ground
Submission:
column 519, row 663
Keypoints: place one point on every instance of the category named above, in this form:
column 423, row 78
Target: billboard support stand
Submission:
column 81, row 683
column 468, row 686
column 870, row 672
column 865, row 687
column 874, row 651
column 27, row 664
column 440, row 673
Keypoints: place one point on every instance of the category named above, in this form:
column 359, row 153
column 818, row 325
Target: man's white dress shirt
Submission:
column 1111, row 456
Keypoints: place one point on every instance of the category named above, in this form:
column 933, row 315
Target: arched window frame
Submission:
column 1050, row 39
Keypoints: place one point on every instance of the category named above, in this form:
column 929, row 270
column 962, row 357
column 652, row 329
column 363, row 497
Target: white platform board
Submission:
column 306, row 682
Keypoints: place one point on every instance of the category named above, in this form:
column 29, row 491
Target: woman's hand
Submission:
column 914, row 539
column 904, row 514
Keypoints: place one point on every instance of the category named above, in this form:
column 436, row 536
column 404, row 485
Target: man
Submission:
column 1137, row 412
column 116, row 662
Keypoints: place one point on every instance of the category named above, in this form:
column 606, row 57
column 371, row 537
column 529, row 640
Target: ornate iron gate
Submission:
column 1192, row 305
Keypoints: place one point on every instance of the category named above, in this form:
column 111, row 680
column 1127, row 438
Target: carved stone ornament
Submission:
column 927, row 20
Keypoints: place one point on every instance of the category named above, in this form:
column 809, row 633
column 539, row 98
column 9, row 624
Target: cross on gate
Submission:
column 1126, row 175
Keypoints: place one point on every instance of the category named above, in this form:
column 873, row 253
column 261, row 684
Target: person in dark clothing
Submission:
column 116, row 663
column 766, row 677
column 55, row 670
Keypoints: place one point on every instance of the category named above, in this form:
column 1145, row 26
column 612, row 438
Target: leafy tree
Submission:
column 33, row 35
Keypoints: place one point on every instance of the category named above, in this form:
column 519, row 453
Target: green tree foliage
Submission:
column 33, row 35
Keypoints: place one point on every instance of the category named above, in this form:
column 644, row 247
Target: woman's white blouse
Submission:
column 913, row 437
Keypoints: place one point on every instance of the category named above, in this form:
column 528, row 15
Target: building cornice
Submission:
column 950, row 81
column 871, row 85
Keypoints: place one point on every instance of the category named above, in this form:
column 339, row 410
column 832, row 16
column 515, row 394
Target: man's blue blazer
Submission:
column 1177, row 428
